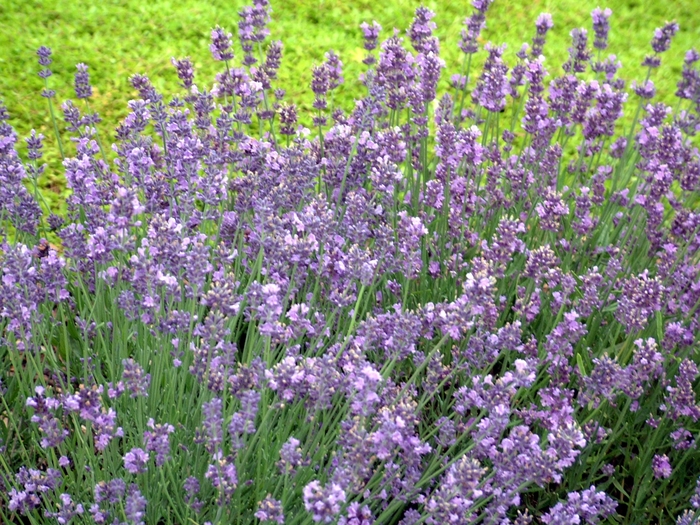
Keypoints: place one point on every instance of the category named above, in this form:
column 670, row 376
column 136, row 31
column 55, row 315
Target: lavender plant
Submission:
column 481, row 307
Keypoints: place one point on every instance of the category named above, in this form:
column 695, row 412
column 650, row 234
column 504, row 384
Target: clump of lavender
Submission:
column 431, row 309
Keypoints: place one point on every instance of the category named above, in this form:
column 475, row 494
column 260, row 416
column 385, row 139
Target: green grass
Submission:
column 117, row 38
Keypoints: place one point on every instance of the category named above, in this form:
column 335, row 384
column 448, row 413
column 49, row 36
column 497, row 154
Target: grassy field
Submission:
column 117, row 38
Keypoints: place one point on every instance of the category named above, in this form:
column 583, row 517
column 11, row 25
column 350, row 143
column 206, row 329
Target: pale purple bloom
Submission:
column 135, row 505
column 220, row 44
column 474, row 25
column 543, row 24
column 493, row 86
column 270, row 509
column 589, row 505
column 578, row 52
column 224, row 477
column 601, row 27
column 135, row 380
column 158, row 440
column 661, row 466
column 83, row 89
column 135, row 461
column 323, row 503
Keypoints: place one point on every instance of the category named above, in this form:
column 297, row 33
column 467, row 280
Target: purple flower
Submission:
column 270, row 509
column 395, row 71
column 357, row 515
column 421, row 31
column 457, row 493
column 493, row 86
column 646, row 90
column 224, row 478
column 211, row 433
column 191, row 486
column 661, row 466
column 662, row 37
column 370, row 34
column 542, row 26
column 601, row 27
column 323, row 503
column 135, row 461
column 290, row 456
column 689, row 84
column 67, row 510
column 695, row 498
column 586, row 505
column 158, row 440
column 641, row 296
column 135, row 505
column 83, row 89
column 185, row 71
column 474, row 25
column 110, row 492
column 44, row 54
column 35, row 486
column 220, row 45
column 243, row 421
column 578, row 52
column 50, row 426
column 134, row 379
column 680, row 400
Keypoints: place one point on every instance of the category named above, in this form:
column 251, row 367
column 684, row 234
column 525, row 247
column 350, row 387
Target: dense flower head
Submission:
column 83, row 89
column 323, row 503
column 475, row 24
column 135, row 461
column 270, row 510
column 601, row 27
column 578, row 52
column 44, row 54
column 221, row 44
column 662, row 466
column 185, row 71
column 370, row 34
column 662, row 37
column 492, row 87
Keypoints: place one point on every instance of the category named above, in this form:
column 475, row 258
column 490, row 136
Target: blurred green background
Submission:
column 117, row 38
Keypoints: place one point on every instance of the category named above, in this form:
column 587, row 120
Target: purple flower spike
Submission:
column 185, row 71
column 135, row 506
column 220, row 45
column 578, row 52
column 135, row 461
column 661, row 466
column 270, row 509
column 662, row 37
column 157, row 440
column 660, row 43
column 324, row 504
column 475, row 24
column 542, row 26
column 601, row 27
column 134, row 378
column 44, row 54
column 83, row 89
column 370, row 34
column 493, row 86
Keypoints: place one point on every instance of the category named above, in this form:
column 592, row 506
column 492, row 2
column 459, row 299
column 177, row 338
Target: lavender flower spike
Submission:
column 83, row 89
column 220, row 45
column 601, row 27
